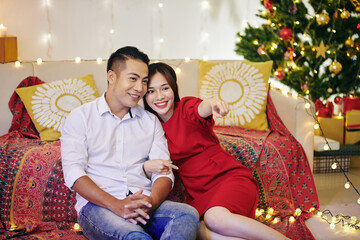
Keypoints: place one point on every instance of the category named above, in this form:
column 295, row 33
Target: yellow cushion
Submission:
column 49, row 104
column 243, row 85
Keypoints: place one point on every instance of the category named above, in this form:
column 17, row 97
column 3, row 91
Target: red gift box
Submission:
column 351, row 103
column 324, row 110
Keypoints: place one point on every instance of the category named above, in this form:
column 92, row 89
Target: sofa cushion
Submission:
column 49, row 104
column 243, row 85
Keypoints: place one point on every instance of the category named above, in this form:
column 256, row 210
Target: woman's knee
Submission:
column 215, row 218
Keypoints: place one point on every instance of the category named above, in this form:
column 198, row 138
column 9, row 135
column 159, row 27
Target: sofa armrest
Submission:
column 297, row 119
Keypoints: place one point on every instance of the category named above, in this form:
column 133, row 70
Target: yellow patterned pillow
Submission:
column 243, row 85
column 49, row 104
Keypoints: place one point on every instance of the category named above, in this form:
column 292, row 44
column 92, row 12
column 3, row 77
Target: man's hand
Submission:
column 134, row 208
column 158, row 166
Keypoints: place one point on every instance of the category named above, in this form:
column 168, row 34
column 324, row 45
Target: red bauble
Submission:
column 269, row 6
column 261, row 50
column 289, row 54
column 338, row 100
column 358, row 26
column 305, row 87
column 286, row 33
column 279, row 74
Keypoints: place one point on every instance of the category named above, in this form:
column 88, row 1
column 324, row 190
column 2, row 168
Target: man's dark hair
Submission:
column 123, row 54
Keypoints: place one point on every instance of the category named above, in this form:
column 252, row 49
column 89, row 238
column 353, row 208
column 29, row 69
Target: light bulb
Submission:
column 178, row 70
column 270, row 211
column 77, row 59
column 187, row 59
column 291, row 219
column 161, row 40
column 39, row 61
column 17, row 64
column 49, row 35
column 298, row 212
column 205, row 4
column 307, row 105
column 326, row 147
column 332, row 225
column 334, row 166
column 99, row 60
column 358, row 201
column 316, row 126
column 347, row 185
column 205, row 58
column 111, row 31
column 76, row 227
column 276, row 220
column 160, row 5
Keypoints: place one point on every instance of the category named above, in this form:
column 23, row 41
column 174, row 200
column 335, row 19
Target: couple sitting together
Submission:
column 118, row 158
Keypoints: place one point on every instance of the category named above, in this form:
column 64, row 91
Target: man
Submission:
column 104, row 145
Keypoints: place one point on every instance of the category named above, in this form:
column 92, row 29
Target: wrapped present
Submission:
column 333, row 128
column 351, row 103
column 324, row 110
column 352, row 133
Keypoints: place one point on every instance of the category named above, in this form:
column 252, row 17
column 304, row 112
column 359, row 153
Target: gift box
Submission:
column 351, row 103
column 333, row 128
column 324, row 110
column 8, row 49
column 352, row 133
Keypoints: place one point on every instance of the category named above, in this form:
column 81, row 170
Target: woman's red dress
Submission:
column 211, row 176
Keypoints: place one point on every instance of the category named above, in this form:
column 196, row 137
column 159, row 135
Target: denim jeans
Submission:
column 171, row 220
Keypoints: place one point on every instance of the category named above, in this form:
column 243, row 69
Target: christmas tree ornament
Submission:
column 338, row 100
column 269, row 5
column 357, row 9
column 305, row 87
column 321, row 49
column 345, row 14
column 261, row 50
column 335, row 67
column 349, row 42
column 357, row 47
column 279, row 74
column 292, row 9
column 289, row 54
column 330, row 90
column 358, row 26
column 322, row 18
column 286, row 33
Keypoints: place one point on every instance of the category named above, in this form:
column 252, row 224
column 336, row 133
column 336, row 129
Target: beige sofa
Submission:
column 291, row 109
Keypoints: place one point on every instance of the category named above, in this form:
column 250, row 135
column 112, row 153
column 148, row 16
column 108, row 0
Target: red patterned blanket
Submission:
column 33, row 194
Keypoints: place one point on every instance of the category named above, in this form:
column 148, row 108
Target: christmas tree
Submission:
column 315, row 47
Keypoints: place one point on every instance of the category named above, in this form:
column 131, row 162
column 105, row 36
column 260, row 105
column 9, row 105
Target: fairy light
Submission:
column 77, row 59
column 332, row 225
column 276, row 220
column 326, row 147
column 270, row 211
column 39, row 61
column 316, row 126
column 334, row 166
column 347, row 185
column 187, row 59
column 291, row 219
column 205, row 58
column 307, row 105
column 17, row 64
column 76, row 227
column 99, row 60
column 178, row 70
column 298, row 212
column 205, row 4
column 112, row 31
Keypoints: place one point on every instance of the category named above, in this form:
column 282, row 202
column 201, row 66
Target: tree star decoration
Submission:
column 321, row 49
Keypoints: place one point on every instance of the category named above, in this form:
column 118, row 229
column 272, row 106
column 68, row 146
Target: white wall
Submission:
column 80, row 28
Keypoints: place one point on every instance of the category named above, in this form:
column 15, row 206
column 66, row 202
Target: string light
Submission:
column 17, row 64
column 77, row 59
column 178, row 70
column 76, row 227
column 39, row 61
column 187, row 59
column 347, row 185
column 99, row 60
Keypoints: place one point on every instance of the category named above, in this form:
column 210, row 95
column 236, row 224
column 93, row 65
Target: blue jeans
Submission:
column 171, row 220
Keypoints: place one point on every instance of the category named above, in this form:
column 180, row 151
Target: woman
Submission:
column 222, row 190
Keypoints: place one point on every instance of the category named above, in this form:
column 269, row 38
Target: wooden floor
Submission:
column 335, row 197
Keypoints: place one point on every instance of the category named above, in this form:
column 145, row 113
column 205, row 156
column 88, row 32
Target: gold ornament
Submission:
column 335, row 67
column 322, row 19
column 357, row 9
column 349, row 42
column 345, row 14
column 321, row 49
